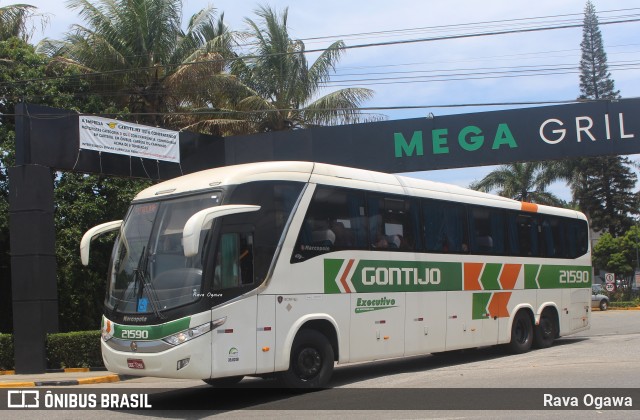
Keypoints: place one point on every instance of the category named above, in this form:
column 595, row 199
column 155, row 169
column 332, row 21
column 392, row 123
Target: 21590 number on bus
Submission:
column 574, row 276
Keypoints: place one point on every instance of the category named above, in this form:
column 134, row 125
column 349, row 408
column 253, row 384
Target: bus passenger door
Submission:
column 234, row 342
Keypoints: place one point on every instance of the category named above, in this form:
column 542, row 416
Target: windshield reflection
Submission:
column 149, row 272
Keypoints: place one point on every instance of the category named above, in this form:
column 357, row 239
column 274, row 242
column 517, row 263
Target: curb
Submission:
column 85, row 381
column 62, row 370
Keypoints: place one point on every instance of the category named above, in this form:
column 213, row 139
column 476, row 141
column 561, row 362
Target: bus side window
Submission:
column 487, row 231
column 523, row 231
column 234, row 261
column 393, row 224
column 335, row 221
column 445, row 227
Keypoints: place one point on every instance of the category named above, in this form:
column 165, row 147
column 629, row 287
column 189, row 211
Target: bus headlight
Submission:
column 186, row 335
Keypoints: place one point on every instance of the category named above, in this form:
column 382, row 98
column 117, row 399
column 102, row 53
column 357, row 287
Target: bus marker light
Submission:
column 386, row 337
column 266, row 349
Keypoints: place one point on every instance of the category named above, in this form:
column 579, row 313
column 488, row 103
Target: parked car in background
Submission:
column 598, row 300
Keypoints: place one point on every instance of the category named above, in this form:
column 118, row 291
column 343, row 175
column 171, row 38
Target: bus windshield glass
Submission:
column 149, row 272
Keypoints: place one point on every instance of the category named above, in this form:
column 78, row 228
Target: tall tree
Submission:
column 606, row 193
column 521, row 181
column 285, row 86
column 602, row 186
column 595, row 78
column 142, row 59
column 14, row 21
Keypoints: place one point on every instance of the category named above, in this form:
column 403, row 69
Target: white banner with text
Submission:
column 125, row 138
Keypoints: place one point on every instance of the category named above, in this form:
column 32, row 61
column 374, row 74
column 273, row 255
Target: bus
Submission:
column 287, row 268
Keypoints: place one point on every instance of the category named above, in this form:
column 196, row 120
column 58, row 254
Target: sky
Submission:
column 470, row 70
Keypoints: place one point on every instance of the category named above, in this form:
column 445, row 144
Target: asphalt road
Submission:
column 600, row 362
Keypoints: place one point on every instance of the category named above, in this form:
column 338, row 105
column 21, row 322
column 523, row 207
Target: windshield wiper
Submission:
column 142, row 274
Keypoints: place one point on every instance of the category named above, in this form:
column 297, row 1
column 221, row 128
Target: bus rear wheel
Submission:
column 311, row 363
column 521, row 333
column 545, row 331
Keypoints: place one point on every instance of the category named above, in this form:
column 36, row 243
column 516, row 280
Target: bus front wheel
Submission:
column 521, row 333
column 311, row 363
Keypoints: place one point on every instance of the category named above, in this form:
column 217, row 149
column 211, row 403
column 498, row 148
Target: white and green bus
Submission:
column 289, row 267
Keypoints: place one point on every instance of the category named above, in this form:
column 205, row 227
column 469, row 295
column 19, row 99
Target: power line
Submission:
column 371, row 108
column 348, row 47
column 426, row 28
column 434, row 75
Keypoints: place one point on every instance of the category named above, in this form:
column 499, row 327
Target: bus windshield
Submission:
column 149, row 272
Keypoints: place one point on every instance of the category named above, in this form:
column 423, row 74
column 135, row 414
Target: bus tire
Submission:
column 311, row 363
column 227, row 382
column 521, row 333
column 546, row 331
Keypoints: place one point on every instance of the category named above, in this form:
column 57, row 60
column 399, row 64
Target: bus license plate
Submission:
column 135, row 363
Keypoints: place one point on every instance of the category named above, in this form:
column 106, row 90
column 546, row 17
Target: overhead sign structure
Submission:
column 420, row 144
column 455, row 141
column 124, row 138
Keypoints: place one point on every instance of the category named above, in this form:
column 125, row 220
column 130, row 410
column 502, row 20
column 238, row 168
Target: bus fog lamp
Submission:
column 183, row 363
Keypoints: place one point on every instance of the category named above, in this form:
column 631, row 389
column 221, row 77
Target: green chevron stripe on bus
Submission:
column 347, row 276
column 479, row 306
column 556, row 276
column 150, row 332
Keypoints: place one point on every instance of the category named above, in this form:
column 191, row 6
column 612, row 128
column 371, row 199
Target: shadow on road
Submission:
column 265, row 394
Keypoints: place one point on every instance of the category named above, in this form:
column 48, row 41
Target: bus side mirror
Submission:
column 191, row 232
column 91, row 234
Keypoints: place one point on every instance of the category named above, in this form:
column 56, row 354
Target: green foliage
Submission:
column 25, row 75
column 617, row 254
column 139, row 56
column 523, row 182
column 625, row 304
column 74, row 349
column 284, row 86
column 601, row 186
column 14, row 21
column 605, row 193
column 83, row 201
column 595, row 79
column 64, row 350
column 6, row 352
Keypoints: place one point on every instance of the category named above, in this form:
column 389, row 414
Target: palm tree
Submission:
column 13, row 21
column 136, row 53
column 285, row 87
column 523, row 182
